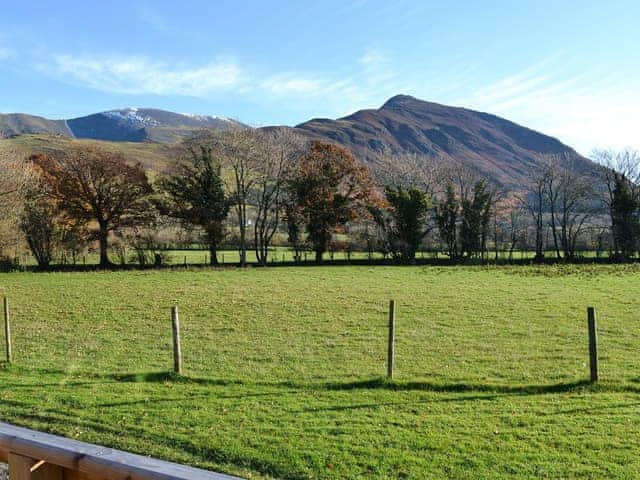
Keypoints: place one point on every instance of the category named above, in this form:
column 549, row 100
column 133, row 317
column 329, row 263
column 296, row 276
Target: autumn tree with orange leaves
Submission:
column 96, row 188
column 329, row 189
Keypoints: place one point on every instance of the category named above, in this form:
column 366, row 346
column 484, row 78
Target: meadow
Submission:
column 284, row 369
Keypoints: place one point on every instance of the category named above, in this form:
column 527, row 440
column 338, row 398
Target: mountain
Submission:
column 125, row 125
column 496, row 148
column 141, row 124
column 13, row 124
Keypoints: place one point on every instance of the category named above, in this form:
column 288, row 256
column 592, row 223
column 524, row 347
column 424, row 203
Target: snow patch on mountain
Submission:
column 131, row 116
column 206, row 118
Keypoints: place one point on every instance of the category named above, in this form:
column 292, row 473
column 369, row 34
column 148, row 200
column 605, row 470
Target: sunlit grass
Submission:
column 284, row 369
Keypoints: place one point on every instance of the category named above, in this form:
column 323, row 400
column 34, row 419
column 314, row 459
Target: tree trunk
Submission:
column 104, row 246
column 243, row 247
column 319, row 256
column 554, row 231
column 213, row 255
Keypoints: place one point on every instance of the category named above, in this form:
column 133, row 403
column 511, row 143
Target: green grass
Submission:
column 284, row 369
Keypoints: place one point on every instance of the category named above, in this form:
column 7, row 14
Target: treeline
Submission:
column 251, row 188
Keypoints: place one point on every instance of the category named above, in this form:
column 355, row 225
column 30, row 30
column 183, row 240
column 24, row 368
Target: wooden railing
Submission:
column 33, row 455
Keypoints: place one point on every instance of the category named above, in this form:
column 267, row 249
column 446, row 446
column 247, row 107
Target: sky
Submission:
column 567, row 68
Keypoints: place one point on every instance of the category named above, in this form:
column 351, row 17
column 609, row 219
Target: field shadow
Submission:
column 464, row 387
column 166, row 377
column 79, row 379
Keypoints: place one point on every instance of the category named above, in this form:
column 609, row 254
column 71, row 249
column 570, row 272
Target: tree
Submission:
column 329, row 189
column 475, row 218
column 515, row 229
column 278, row 149
column 550, row 174
column 95, row 186
column 624, row 207
column 574, row 210
column 239, row 150
column 447, row 212
column 533, row 201
column 72, row 239
column 39, row 226
column 195, row 195
column 625, row 163
column 406, row 223
column 295, row 223
column 412, row 182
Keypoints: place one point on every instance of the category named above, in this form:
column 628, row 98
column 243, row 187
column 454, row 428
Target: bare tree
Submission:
column 425, row 173
column 239, row 150
column 533, row 200
column 515, row 227
column 551, row 172
column 278, row 149
column 576, row 194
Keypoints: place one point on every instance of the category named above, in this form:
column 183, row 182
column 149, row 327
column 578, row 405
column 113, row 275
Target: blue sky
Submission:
column 567, row 68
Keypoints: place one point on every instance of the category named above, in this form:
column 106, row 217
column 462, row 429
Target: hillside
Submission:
column 497, row 148
column 152, row 156
column 13, row 124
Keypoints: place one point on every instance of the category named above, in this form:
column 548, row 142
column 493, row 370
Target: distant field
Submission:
column 277, row 255
column 284, row 369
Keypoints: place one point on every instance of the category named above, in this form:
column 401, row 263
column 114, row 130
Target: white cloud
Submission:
column 367, row 82
column 285, row 84
column 583, row 113
column 131, row 75
column 373, row 58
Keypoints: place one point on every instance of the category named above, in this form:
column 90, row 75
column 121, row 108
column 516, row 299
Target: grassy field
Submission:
column 284, row 369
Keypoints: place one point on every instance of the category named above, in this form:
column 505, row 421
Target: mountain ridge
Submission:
column 497, row 148
column 130, row 124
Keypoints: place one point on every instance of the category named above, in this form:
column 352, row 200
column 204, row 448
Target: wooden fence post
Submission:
column 593, row 343
column 177, row 352
column 392, row 333
column 7, row 330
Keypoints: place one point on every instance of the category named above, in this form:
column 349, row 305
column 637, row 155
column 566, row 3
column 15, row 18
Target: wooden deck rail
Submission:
column 33, row 455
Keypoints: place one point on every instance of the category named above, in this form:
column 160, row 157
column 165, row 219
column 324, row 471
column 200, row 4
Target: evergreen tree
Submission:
column 624, row 216
column 447, row 220
column 408, row 216
column 476, row 215
column 195, row 195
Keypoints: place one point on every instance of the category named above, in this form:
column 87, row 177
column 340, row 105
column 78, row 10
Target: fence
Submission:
column 177, row 349
column 33, row 455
